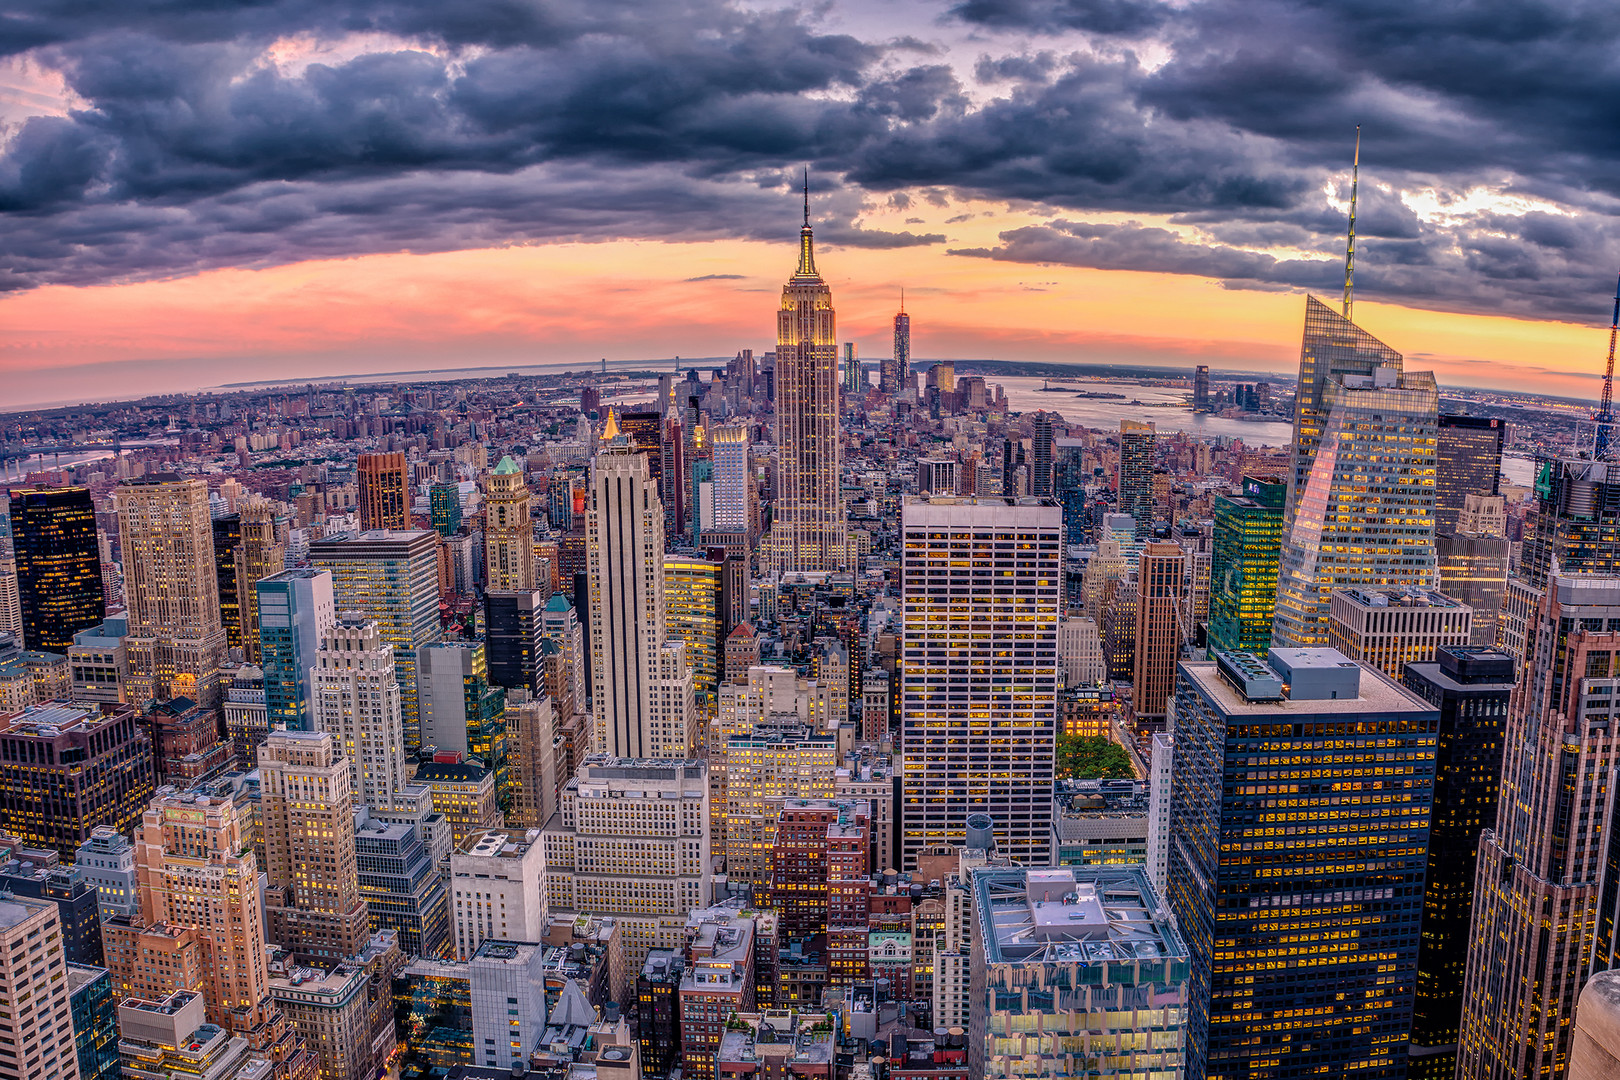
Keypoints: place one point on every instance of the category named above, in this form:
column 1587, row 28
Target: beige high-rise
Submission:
column 176, row 640
column 1161, row 576
column 34, row 987
column 313, row 905
column 810, row 532
column 508, row 532
column 641, row 681
column 357, row 699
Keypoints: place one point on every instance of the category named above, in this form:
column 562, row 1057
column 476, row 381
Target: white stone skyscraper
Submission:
column 810, row 532
column 1360, row 511
column 981, row 594
column 641, row 682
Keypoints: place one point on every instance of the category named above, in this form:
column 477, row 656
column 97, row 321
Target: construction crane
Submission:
column 1605, row 416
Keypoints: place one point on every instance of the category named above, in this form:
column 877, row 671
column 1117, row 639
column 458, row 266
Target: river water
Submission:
column 1163, row 406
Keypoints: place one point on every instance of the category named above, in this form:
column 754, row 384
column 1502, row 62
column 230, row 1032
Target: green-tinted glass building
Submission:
column 445, row 502
column 1243, row 566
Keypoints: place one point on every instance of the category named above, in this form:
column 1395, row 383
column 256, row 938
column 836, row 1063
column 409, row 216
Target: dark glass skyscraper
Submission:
column 1201, row 388
column 1577, row 520
column 1468, row 461
column 1136, row 448
column 1471, row 688
column 227, row 538
column 513, row 628
column 1243, row 566
column 58, row 565
column 445, row 504
column 902, row 351
column 1040, row 477
column 1301, row 797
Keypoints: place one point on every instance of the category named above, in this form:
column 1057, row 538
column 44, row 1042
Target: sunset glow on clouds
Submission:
column 302, row 189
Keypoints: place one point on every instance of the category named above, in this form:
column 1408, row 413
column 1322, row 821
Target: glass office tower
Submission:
column 58, row 565
column 1243, row 566
column 1302, row 791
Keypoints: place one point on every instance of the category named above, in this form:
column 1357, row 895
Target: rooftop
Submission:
column 1376, row 692
column 500, row 843
column 1409, row 597
column 1073, row 913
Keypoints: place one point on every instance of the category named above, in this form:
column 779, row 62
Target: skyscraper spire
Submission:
column 807, row 254
column 1350, row 242
column 902, row 299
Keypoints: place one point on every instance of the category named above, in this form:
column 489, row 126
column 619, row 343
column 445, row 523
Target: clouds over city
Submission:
column 1203, row 137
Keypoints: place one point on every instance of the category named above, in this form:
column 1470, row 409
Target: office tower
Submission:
column 201, row 921
column 532, row 773
column 641, row 682
column 1577, row 521
column 692, row 615
column 782, row 758
column 732, row 481
column 227, row 530
column 53, row 535
column 1049, row 928
column 176, row 641
column 463, row 792
column 11, row 621
column 631, row 840
column 295, row 611
column 902, row 352
column 34, row 985
column 171, row 1036
column 1012, row 462
column 313, row 906
column 1391, row 628
column 355, row 697
column 646, row 432
column 853, row 379
column 36, row 878
column 658, row 1012
column 95, row 1021
column 444, row 503
column 1471, row 687
column 401, row 885
column 497, row 889
column 107, row 860
column 718, row 984
column 1201, row 388
column 1360, row 506
column 1161, row 584
column 98, row 665
column 1544, row 894
column 936, row 476
column 244, row 711
column 71, row 768
column 809, row 532
column 1243, row 566
column 507, row 987
column 1468, row 461
column 514, row 627
column 1137, row 443
column 390, row 578
column 1303, row 926
column 261, row 552
column 562, row 628
column 1040, row 477
column 982, row 745
column 508, row 532
column 345, row 1012
column 1474, row 563
column 383, row 481
column 461, row 712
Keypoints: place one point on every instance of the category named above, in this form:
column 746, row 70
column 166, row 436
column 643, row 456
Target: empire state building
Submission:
column 810, row 533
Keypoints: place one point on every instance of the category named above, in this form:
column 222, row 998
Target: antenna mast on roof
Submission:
column 1350, row 243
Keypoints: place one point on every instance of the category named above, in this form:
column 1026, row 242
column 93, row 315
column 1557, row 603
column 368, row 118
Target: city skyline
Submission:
column 1484, row 233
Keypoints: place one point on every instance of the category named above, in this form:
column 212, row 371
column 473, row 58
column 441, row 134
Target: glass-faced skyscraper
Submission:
column 1301, row 797
column 1360, row 506
column 902, row 352
column 296, row 609
column 1468, row 461
column 810, row 532
column 1243, row 566
column 1137, row 442
column 58, row 565
column 981, row 592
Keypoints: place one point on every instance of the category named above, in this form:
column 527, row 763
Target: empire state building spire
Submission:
column 807, row 250
column 810, row 533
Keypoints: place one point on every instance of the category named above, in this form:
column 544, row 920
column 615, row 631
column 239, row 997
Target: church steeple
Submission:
column 807, row 252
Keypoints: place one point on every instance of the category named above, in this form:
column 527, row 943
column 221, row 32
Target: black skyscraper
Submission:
column 227, row 538
column 1468, row 461
column 58, row 565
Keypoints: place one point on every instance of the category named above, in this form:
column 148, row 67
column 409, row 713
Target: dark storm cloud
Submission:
column 523, row 121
